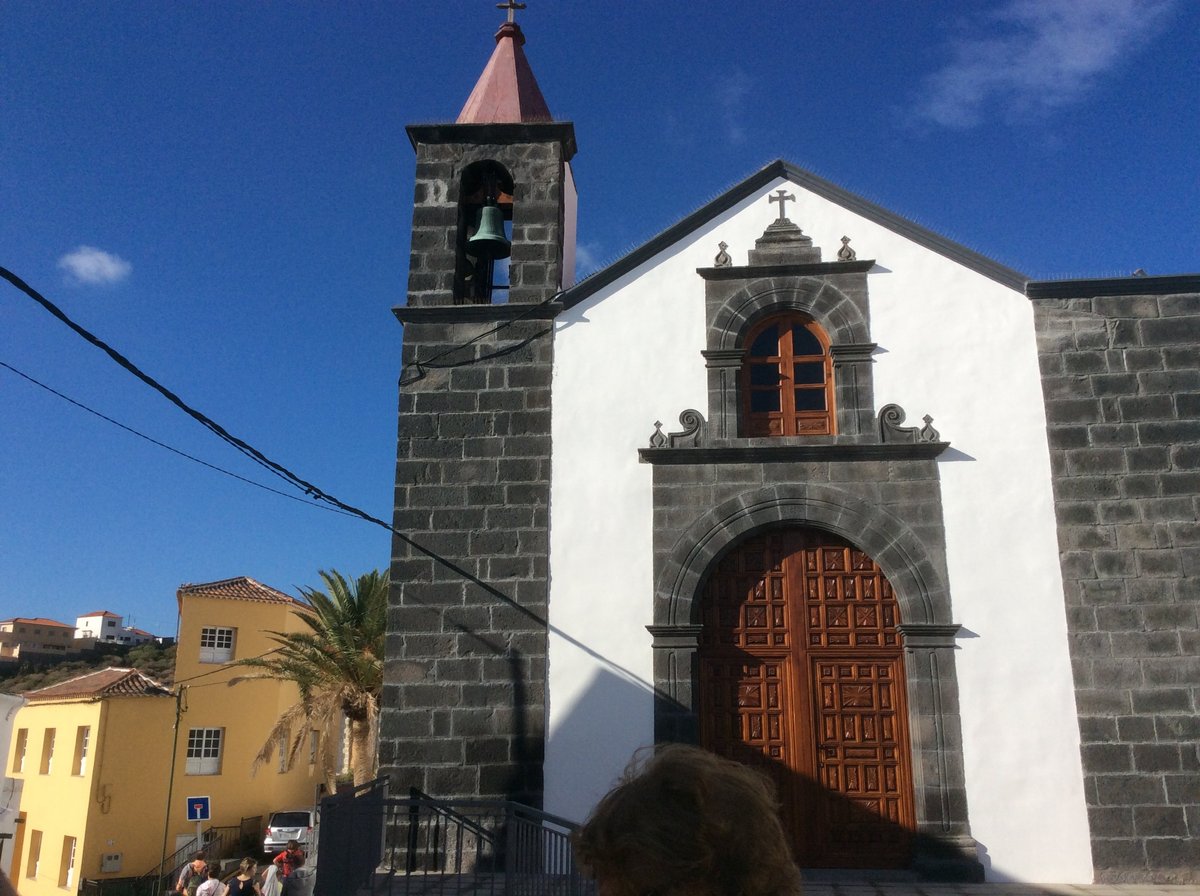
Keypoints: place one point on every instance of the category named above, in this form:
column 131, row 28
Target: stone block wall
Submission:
column 892, row 510
column 537, row 168
column 464, row 701
column 1121, row 377
column 464, row 684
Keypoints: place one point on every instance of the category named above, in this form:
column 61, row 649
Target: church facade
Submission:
column 808, row 485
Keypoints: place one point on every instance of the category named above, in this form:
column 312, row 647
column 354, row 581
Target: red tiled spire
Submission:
column 506, row 92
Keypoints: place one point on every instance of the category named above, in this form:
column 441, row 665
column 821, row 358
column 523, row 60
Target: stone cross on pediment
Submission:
column 782, row 197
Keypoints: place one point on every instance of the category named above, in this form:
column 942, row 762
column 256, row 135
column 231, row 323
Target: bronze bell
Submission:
column 489, row 240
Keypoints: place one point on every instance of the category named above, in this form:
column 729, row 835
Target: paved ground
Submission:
column 907, row 888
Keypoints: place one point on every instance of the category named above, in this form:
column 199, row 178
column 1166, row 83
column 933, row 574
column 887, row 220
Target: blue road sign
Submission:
column 198, row 808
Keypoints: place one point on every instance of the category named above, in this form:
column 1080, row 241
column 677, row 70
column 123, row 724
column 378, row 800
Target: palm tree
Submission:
column 337, row 666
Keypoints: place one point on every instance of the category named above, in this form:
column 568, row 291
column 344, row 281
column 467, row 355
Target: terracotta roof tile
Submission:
column 110, row 682
column 101, row 613
column 38, row 620
column 240, row 588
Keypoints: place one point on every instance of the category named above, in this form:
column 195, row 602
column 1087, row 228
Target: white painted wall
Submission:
column 953, row 344
column 10, row 788
column 570, row 216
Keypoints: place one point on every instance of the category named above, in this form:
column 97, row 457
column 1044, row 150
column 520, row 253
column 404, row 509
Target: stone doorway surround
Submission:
column 943, row 846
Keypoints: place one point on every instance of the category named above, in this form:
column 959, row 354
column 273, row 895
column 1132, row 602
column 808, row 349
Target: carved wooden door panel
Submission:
column 801, row 674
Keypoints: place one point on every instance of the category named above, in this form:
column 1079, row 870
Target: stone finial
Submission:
column 846, row 253
column 722, row 260
column 658, row 438
column 891, row 417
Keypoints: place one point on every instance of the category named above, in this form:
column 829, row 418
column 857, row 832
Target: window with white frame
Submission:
column 47, row 751
column 216, row 644
column 204, row 751
column 35, row 854
column 22, row 745
column 66, row 869
column 83, row 734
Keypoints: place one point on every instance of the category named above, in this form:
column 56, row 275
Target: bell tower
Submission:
column 464, row 703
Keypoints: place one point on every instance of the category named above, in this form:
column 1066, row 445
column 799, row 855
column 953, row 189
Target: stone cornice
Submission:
column 811, row 269
column 470, row 314
column 773, row 454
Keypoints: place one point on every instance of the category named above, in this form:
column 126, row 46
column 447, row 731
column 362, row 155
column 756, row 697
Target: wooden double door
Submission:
column 801, row 673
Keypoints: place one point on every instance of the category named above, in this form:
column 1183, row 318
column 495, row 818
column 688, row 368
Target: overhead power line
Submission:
column 420, row 365
column 257, row 456
column 153, row 441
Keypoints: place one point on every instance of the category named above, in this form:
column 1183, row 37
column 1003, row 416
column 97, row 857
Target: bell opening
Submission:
column 484, row 234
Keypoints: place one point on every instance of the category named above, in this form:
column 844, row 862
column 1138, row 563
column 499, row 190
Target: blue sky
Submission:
column 223, row 192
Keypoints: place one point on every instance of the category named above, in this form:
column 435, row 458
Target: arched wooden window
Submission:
column 787, row 379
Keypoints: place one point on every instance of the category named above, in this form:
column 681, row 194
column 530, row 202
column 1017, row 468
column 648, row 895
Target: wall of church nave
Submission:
column 1122, row 383
column 953, row 343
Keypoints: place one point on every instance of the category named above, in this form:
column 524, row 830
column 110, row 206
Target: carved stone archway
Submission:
column 944, row 844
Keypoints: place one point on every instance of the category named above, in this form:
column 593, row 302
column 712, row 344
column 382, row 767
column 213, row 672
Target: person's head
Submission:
column 200, row 856
column 214, row 870
column 248, row 866
column 293, row 845
column 684, row 822
column 298, row 860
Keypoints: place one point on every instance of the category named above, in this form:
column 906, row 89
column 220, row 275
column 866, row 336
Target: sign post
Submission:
column 199, row 808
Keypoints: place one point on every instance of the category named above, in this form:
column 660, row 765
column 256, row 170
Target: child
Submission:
column 212, row 886
column 286, row 860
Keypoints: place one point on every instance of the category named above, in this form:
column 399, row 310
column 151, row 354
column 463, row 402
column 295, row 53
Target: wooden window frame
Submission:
column 787, row 420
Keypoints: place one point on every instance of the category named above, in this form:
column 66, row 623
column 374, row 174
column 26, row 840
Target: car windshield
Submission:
column 289, row 820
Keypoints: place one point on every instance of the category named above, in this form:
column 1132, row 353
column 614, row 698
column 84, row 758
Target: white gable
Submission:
column 953, row 342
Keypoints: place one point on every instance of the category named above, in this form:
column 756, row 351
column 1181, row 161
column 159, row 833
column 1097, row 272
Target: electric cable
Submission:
column 420, row 365
column 153, row 441
column 250, row 451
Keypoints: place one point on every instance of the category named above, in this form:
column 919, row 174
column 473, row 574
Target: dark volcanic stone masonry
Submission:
column 464, row 684
column 1121, row 375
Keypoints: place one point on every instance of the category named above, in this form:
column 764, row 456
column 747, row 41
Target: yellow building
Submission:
column 107, row 769
column 94, row 755
column 223, row 727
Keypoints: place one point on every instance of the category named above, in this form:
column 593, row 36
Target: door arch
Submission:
column 800, row 672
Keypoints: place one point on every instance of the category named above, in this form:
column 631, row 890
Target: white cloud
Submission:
column 587, row 258
column 1031, row 56
column 93, row 266
column 731, row 97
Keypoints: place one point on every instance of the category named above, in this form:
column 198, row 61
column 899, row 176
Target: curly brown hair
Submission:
column 685, row 822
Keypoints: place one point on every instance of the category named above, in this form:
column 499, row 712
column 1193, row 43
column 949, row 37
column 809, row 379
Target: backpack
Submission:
column 193, row 880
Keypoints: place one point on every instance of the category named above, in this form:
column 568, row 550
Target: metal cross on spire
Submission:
column 512, row 6
column 781, row 196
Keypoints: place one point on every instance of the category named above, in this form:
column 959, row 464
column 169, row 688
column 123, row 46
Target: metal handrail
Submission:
column 422, row 846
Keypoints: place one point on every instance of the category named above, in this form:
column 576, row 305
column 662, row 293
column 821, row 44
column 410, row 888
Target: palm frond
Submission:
column 337, row 664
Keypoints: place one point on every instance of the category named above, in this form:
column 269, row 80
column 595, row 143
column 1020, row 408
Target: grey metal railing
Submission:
column 421, row 846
